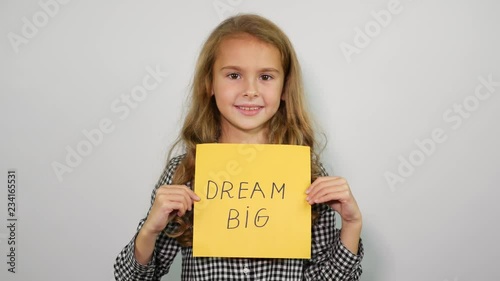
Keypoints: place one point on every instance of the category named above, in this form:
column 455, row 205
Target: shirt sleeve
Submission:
column 330, row 259
column 126, row 267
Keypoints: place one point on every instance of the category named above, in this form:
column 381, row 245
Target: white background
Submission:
column 439, row 224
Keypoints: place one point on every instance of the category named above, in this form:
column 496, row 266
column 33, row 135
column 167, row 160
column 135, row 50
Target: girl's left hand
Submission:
column 335, row 192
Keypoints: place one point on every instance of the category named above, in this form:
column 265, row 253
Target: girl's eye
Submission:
column 233, row 76
column 266, row 77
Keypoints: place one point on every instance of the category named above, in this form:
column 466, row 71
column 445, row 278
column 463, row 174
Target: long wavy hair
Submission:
column 290, row 125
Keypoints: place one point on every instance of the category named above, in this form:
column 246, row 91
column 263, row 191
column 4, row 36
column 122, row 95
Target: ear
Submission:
column 284, row 90
column 210, row 90
column 209, row 86
column 283, row 95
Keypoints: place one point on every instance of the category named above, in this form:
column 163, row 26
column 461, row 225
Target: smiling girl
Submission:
column 247, row 88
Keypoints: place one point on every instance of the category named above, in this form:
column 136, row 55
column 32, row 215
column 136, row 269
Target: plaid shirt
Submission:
column 330, row 260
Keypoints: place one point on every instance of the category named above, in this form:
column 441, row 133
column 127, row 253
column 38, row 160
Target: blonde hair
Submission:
column 290, row 125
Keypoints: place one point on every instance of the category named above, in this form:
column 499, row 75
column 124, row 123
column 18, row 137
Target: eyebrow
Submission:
column 265, row 69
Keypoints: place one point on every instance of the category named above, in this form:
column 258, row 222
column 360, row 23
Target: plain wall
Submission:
column 410, row 121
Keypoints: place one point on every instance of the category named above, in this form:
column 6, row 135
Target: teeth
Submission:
column 249, row 108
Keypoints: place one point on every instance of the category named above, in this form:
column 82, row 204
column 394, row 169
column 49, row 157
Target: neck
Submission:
column 244, row 137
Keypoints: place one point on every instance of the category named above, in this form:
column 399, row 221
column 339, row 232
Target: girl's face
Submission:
column 247, row 84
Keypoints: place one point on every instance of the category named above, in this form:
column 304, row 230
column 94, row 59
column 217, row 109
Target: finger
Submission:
column 160, row 215
column 184, row 188
column 334, row 182
column 317, row 182
column 192, row 194
column 186, row 197
column 175, row 207
column 189, row 195
column 320, row 182
column 167, row 205
column 334, row 193
column 186, row 202
column 182, row 191
column 341, row 196
column 327, row 188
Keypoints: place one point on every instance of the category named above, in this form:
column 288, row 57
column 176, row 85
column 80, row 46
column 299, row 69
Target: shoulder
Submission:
column 174, row 162
column 317, row 170
column 168, row 172
column 322, row 170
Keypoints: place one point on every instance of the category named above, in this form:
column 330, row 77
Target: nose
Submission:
column 251, row 89
column 251, row 93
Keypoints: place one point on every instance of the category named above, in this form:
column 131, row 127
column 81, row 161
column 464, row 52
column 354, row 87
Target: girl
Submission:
column 247, row 88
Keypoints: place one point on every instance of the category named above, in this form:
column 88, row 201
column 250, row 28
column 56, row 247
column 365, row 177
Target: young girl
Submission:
column 247, row 88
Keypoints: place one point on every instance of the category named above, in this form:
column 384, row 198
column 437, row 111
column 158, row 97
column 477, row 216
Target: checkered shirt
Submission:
column 330, row 260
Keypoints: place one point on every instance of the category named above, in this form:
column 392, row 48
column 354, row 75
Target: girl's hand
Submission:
column 335, row 192
column 170, row 200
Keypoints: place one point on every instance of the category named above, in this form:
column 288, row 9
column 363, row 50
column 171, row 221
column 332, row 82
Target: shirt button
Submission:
column 246, row 270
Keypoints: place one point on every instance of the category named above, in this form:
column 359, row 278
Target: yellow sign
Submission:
column 253, row 202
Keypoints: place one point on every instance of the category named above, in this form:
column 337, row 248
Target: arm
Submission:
column 127, row 267
column 337, row 254
column 350, row 235
column 330, row 258
column 149, row 254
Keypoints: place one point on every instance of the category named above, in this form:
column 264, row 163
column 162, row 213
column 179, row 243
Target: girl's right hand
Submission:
column 170, row 200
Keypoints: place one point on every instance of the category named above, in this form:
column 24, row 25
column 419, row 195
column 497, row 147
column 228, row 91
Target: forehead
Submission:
column 245, row 49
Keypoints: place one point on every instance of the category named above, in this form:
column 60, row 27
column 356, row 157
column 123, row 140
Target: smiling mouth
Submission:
column 249, row 108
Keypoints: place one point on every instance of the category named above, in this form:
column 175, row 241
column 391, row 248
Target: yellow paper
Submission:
column 252, row 201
